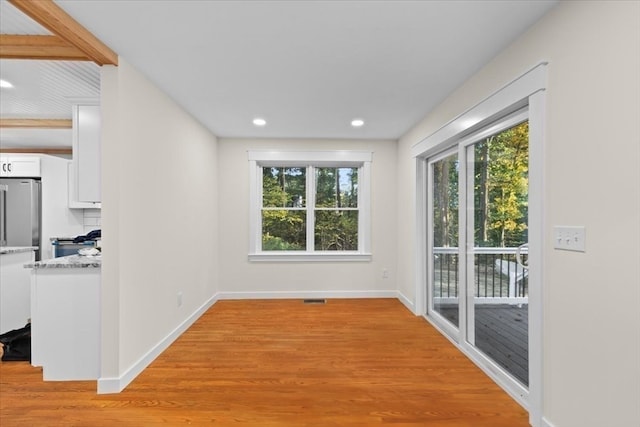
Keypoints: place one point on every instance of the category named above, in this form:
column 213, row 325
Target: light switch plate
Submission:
column 569, row 238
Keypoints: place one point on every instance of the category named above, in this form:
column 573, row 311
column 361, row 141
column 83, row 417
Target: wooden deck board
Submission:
column 501, row 333
column 281, row 363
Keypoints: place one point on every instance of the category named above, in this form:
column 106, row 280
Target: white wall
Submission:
column 591, row 352
column 159, row 218
column 238, row 275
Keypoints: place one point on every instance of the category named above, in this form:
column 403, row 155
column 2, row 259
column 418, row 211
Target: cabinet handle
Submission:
column 9, row 167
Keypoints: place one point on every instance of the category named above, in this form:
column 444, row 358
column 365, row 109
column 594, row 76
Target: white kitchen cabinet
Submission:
column 65, row 323
column 74, row 203
column 20, row 167
column 84, row 178
column 15, row 300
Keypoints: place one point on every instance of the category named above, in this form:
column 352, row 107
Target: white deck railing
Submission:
column 498, row 278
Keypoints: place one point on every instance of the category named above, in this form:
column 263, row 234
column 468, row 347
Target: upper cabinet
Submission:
column 84, row 173
column 19, row 167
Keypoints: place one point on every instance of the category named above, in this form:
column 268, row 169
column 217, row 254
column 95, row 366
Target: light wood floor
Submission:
column 268, row 363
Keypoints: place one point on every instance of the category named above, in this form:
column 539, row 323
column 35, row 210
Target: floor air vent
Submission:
column 314, row 301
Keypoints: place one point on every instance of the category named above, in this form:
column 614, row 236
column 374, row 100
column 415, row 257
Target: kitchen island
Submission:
column 15, row 298
column 65, row 317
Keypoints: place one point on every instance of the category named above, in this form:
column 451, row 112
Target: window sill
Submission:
column 309, row 257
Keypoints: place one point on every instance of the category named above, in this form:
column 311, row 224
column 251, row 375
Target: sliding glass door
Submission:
column 497, row 228
column 444, row 276
column 477, row 208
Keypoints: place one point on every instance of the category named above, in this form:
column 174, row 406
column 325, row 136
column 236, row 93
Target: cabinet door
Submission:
column 22, row 167
column 87, row 153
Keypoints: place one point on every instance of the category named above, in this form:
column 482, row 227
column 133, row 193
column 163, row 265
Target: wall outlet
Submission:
column 569, row 238
column 385, row 273
column 179, row 299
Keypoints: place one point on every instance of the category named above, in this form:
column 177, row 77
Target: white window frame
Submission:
column 310, row 160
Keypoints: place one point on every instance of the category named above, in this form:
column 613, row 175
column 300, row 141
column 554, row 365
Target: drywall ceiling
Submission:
column 307, row 67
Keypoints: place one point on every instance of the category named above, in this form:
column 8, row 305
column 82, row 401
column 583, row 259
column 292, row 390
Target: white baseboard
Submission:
column 306, row 294
column 546, row 423
column 404, row 300
column 117, row 384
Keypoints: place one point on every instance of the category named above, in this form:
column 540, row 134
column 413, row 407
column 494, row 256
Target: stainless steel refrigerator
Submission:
column 20, row 211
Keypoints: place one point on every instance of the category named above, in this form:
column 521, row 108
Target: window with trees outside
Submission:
column 310, row 206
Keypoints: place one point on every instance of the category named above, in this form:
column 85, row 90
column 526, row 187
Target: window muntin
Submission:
column 336, row 187
column 283, row 187
column 336, row 230
column 284, row 230
column 336, row 209
column 287, row 215
column 284, row 214
column 310, row 206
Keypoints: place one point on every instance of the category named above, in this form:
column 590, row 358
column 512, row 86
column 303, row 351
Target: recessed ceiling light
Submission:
column 5, row 84
column 356, row 123
column 258, row 121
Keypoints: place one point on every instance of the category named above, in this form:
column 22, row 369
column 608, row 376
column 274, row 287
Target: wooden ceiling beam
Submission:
column 39, row 47
column 43, row 150
column 52, row 17
column 36, row 123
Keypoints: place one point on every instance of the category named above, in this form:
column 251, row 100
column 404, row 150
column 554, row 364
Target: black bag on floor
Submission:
column 17, row 344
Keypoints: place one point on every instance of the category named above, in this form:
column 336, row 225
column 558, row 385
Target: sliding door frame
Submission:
column 450, row 329
column 527, row 91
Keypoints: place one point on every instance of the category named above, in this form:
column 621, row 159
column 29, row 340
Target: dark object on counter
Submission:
column 92, row 235
column 17, row 344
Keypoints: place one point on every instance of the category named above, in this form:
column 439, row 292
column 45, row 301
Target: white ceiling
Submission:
column 42, row 89
column 307, row 67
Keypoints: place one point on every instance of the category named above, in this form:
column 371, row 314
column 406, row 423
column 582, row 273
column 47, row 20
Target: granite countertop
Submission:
column 16, row 249
column 71, row 261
